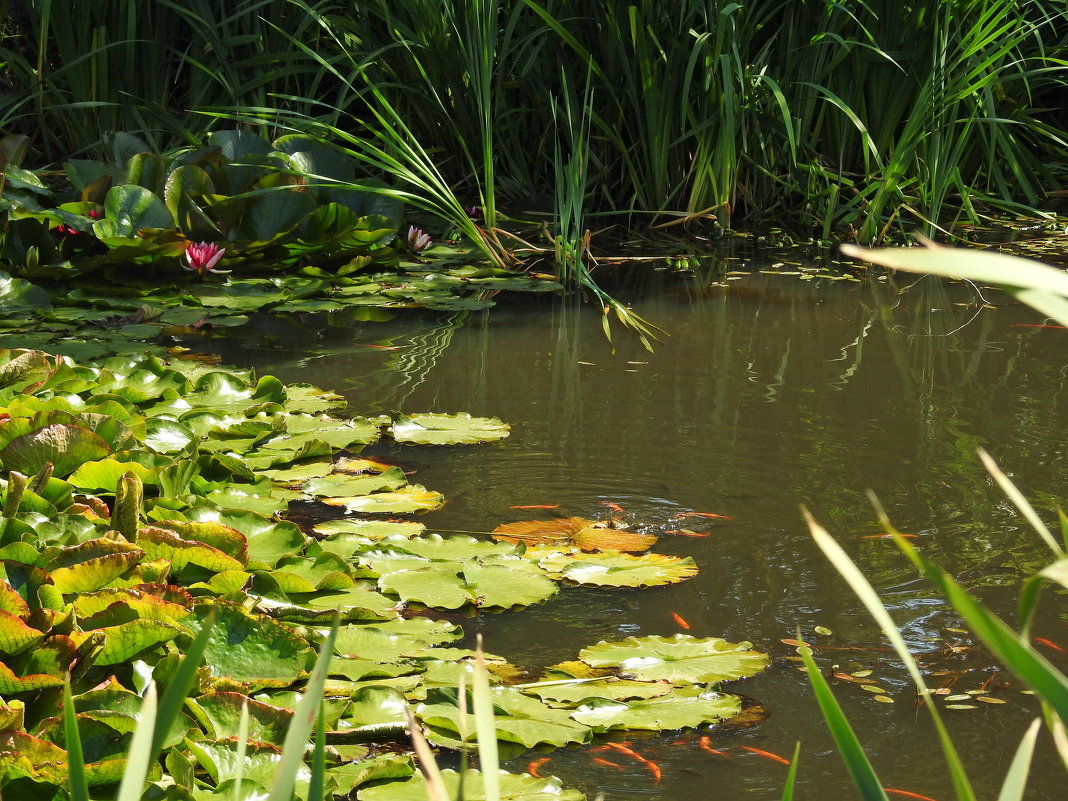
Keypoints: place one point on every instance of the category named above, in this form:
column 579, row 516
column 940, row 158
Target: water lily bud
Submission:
column 126, row 516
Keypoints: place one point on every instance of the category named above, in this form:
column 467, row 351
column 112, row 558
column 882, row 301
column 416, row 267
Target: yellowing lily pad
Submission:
column 447, row 429
column 413, row 498
column 565, row 532
column 614, row 569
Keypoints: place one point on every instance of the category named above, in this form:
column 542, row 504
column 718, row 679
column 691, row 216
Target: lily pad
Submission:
column 685, row 708
column 250, row 650
column 447, row 429
column 680, row 659
column 413, row 498
column 586, row 535
column 513, row 787
column 614, row 569
column 517, row 718
column 613, row 689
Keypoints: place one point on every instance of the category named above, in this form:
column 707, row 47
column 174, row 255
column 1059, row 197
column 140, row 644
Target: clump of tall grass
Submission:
column 839, row 117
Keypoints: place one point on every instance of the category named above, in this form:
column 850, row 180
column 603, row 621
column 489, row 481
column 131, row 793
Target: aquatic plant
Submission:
column 832, row 117
column 142, row 516
column 416, row 240
column 203, row 258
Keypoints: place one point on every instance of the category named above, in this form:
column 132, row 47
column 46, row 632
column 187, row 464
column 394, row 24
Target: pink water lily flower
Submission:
column 417, row 240
column 203, row 257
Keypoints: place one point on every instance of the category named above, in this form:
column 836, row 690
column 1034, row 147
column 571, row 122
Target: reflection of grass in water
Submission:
column 416, row 360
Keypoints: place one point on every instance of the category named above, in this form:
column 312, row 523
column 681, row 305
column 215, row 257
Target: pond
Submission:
column 768, row 392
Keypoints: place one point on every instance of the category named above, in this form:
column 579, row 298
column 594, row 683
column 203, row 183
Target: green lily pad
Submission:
column 267, row 540
column 513, row 787
column 220, row 714
column 680, row 659
column 250, row 650
column 160, row 543
column 338, row 485
column 369, row 529
column 126, row 640
column 517, row 718
column 613, row 689
column 67, row 447
column 16, row 636
column 447, row 429
column 377, row 708
column 685, row 708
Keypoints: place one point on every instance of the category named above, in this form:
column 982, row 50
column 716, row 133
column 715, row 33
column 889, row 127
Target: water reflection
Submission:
column 769, row 392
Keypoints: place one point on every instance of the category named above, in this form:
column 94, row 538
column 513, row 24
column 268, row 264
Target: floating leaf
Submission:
column 518, row 718
column 680, row 659
column 687, row 707
column 587, row 535
column 613, row 689
column 66, row 447
column 15, row 635
column 447, row 429
column 413, row 498
column 250, row 650
column 614, row 569
column 220, row 714
column 160, row 543
column 92, row 565
column 513, row 787
column 126, row 640
column 338, row 485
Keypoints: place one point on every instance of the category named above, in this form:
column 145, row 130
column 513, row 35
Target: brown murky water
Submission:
column 768, row 394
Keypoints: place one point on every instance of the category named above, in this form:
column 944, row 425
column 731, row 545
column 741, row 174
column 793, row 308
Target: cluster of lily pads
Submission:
column 290, row 224
column 141, row 499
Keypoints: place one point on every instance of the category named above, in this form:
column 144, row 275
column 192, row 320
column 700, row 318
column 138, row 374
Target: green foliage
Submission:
column 838, row 116
column 272, row 205
column 119, row 557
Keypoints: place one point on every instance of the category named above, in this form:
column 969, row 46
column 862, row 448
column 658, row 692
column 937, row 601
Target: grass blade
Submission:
column 170, row 705
column 866, row 593
column 485, row 729
column 1016, row 779
column 856, row 761
column 1007, row 645
column 317, row 785
column 242, row 747
column 791, row 775
column 141, row 754
column 435, row 785
column 304, row 715
column 78, row 788
column 1020, row 502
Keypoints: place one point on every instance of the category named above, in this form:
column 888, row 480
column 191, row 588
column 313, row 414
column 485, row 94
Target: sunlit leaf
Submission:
column 686, row 707
column 513, row 787
column 680, row 659
column 518, row 718
column 447, row 429
column 412, row 498
column 587, row 535
column 614, row 569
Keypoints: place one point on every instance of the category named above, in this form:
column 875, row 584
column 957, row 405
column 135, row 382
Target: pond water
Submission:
column 768, row 392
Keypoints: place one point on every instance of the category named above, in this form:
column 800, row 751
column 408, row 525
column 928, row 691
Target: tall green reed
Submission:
column 838, row 117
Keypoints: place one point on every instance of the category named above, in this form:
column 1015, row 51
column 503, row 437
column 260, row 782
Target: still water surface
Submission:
column 768, row 393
